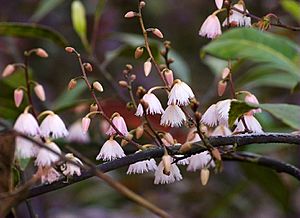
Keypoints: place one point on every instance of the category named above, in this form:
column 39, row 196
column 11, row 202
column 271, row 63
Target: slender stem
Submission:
column 145, row 34
column 27, row 81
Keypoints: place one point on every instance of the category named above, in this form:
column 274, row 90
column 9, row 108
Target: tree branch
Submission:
column 238, row 141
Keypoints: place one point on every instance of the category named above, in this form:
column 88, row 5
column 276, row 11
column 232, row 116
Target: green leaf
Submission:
column 291, row 6
column 79, row 21
column 266, row 76
column 270, row 182
column 69, row 97
column 287, row 113
column 23, row 163
column 99, row 9
column 257, row 46
column 237, row 109
column 28, row 30
column 45, row 6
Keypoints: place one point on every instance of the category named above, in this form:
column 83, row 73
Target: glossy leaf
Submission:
column 28, row 30
column 237, row 109
column 79, row 21
column 257, row 46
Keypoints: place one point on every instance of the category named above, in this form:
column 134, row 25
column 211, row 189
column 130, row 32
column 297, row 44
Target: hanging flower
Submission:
column 46, row 157
column 252, row 124
column 49, row 175
column 173, row 116
column 76, row 134
column 53, row 126
column 120, row 124
column 200, row 161
column 71, row 169
column 219, row 3
column 236, row 18
column 180, row 94
column 211, row 28
column 27, row 124
column 141, row 167
column 24, row 148
column 161, row 178
column 110, row 150
column 154, row 105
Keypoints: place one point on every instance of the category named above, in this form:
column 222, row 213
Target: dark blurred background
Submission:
column 240, row 190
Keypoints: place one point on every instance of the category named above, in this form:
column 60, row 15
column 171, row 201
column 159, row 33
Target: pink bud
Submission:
column 130, row 14
column 40, row 92
column 85, row 124
column 221, row 87
column 158, row 33
column 8, row 70
column 219, row 3
column 147, row 68
column 225, row 72
column 41, row 53
column 69, row 49
column 18, row 97
column 97, row 86
column 169, row 77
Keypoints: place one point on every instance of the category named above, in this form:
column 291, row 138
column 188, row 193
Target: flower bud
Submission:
column 169, row 76
column 18, row 96
column 138, row 52
column 132, row 77
column 69, row 49
column 8, row 70
column 225, row 73
column 129, row 67
column 130, row 14
column 140, row 92
column 97, row 86
column 142, row 4
column 123, row 83
column 88, row 67
column 204, row 176
column 72, row 84
column 41, row 53
column 167, row 161
column 139, row 131
column 221, row 87
column 85, row 123
column 125, row 142
column 216, row 154
column 157, row 33
column 147, row 68
column 40, row 92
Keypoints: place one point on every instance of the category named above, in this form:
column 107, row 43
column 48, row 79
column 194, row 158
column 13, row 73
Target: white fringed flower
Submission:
column 180, row 94
column 53, row 126
column 217, row 114
column 24, row 148
column 120, row 124
column 223, row 108
column 71, row 169
column 211, row 28
column 27, row 124
column 200, row 161
column 49, row 175
column 183, row 162
column 210, row 117
column 110, row 150
column 46, row 157
column 221, row 131
column 238, row 19
column 252, row 124
column 173, row 116
column 76, row 134
column 142, row 167
column 161, row 178
column 154, row 105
